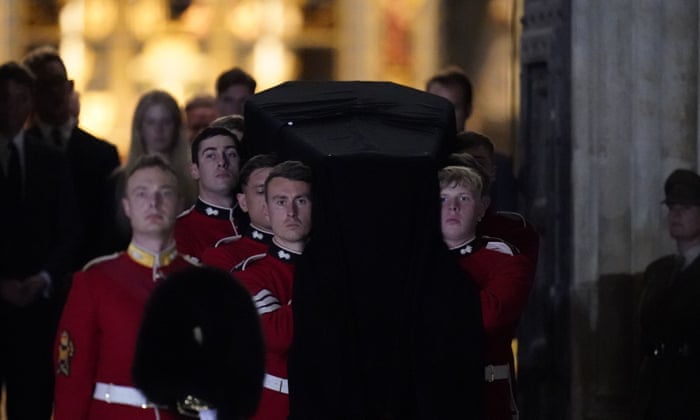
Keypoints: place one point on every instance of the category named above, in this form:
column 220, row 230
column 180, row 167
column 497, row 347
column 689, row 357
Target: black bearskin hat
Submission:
column 200, row 344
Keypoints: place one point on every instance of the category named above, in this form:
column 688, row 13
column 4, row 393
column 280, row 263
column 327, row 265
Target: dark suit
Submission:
column 91, row 162
column 504, row 190
column 39, row 233
column 670, row 339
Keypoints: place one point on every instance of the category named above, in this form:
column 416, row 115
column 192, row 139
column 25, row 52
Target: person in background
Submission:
column 504, row 280
column 200, row 111
column 270, row 279
column 91, row 160
column 669, row 314
column 257, row 237
column 233, row 88
column 454, row 85
column 38, row 241
column 215, row 166
column 157, row 129
column 97, row 333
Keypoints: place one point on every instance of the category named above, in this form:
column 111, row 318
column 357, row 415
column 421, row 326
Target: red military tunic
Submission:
column 270, row 281
column 512, row 228
column 97, row 333
column 231, row 251
column 203, row 225
column 504, row 281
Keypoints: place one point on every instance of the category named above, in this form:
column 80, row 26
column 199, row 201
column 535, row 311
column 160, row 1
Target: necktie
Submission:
column 14, row 174
column 57, row 138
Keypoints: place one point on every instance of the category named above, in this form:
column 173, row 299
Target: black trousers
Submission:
column 26, row 361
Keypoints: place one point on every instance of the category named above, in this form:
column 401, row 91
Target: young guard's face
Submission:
column 252, row 200
column 288, row 208
column 151, row 201
column 218, row 166
column 462, row 209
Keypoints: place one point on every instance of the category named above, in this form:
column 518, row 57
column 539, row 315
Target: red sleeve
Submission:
column 76, row 351
column 505, row 290
column 274, row 306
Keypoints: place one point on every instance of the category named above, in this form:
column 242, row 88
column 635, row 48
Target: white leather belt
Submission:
column 496, row 372
column 276, row 383
column 117, row 394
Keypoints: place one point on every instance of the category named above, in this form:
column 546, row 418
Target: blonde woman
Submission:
column 157, row 129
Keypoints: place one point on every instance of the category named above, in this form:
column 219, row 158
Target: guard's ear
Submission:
column 242, row 203
column 194, row 171
column 127, row 207
column 266, row 213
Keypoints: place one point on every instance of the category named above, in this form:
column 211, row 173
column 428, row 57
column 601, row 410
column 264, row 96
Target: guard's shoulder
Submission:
column 227, row 240
column 241, row 266
column 499, row 245
column 99, row 260
column 192, row 260
column 513, row 216
column 185, row 212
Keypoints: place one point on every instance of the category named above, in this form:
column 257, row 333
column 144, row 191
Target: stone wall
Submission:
column 634, row 119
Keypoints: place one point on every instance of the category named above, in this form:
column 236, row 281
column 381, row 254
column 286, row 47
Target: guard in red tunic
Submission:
column 509, row 226
column 504, row 281
column 256, row 238
column 215, row 166
column 97, row 333
column 270, row 279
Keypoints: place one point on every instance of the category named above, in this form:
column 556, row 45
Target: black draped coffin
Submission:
column 386, row 326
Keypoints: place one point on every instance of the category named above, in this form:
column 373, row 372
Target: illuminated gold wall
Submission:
column 117, row 49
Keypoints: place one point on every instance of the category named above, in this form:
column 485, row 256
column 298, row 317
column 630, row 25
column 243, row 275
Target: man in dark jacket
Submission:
column 90, row 159
column 37, row 242
column 670, row 314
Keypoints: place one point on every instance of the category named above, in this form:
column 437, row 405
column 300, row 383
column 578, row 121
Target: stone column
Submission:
column 358, row 34
column 11, row 31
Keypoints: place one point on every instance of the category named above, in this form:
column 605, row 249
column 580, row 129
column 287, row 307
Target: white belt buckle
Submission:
column 108, row 399
column 276, row 384
column 492, row 376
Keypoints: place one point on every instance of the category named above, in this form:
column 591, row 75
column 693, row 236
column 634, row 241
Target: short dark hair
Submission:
column 470, row 139
column 468, row 161
column 235, row 76
column 38, row 57
column 256, row 162
column 17, row 72
column 208, row 133
column 290, row 169
column 454, row 76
